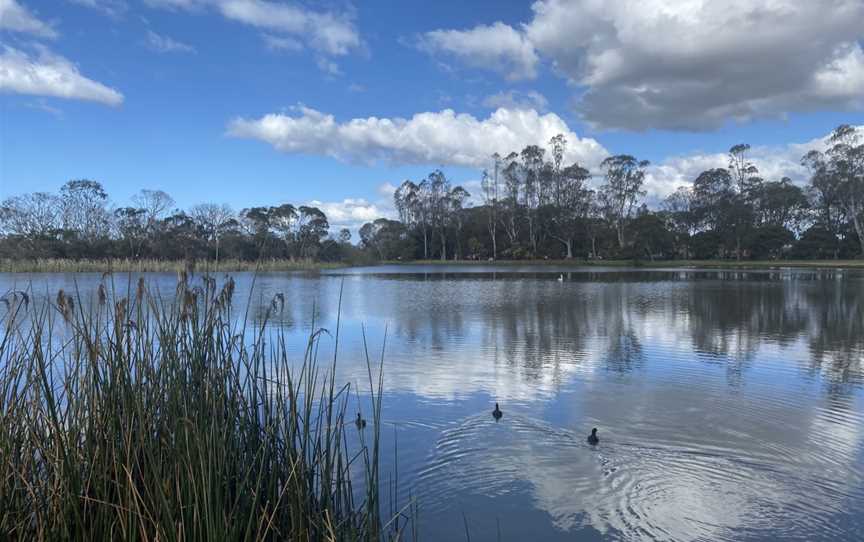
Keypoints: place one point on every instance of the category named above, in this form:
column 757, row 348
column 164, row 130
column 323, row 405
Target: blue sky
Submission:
column 251, row 102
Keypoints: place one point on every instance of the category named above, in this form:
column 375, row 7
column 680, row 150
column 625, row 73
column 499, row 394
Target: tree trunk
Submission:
column 533, row 234
column 619, row 227
column 494, row 247
column 568, row 245
column 443, row 247
column 859, row 229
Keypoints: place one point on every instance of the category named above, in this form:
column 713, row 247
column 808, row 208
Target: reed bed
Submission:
column 62, row 265
column 134, row 418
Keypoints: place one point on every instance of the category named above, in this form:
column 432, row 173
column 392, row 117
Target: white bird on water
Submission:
column 561, row 277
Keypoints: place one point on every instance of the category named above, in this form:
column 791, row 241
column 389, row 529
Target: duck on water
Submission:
column 497, row 414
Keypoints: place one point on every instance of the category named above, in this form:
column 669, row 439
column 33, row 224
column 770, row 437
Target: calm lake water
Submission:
column 730, row 404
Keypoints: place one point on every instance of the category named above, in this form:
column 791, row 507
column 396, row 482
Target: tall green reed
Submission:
column 136, row 417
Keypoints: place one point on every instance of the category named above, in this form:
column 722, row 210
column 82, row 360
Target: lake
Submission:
column 729, row 403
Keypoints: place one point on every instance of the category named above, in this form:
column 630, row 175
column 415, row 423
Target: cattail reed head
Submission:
column 227, row 293
column 189, row 303
column 93, row 350
column 120, row 310
column 139, row 292
column 103, row 296
column 65, row 305
column 209, row 283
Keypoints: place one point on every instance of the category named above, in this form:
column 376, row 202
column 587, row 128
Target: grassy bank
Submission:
column 707, row 264
column 135, row 419
column 174, row 266
column 228, row 266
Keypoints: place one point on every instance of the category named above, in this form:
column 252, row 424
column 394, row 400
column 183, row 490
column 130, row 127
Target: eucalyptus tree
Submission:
column 534, row 190
column 677, row 211
column 490, row 187
column 650, row 235
column 30, row 216
column 412, row 203
column 384, row 236
column 745, row 175
column 131, row 228
column 711, row 189
column 435, row 190
column 569, row 214
column 620, row 194
column 838, row 178
column 510, row 211
column 266, row 224
column 283, row 222
column 405, row 199
column 824, row 193
column 558, row 146
column 719, row 206
column 312, row 227
column 213, row 221
column 846, row 162
column 455, row 199
column 176, row 237
column 781, row 203
column 84, row 209
column 155, row 203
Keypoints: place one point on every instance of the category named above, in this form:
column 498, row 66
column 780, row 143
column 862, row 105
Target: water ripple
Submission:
column 660, row 490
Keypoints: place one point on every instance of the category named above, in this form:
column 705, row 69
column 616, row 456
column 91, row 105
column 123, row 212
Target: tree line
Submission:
column 534, row 205
column 531, row 204
column 80, row 222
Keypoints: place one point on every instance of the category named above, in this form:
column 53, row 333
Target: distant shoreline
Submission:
column 60, row 265
column 228, row 266
column 698, row 264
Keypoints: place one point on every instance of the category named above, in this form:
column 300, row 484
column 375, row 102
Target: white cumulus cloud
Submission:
column 49, row 74
column 684, row 64
column 16, row 18
column 498, row 47
column 437, row 138
column 352, row 213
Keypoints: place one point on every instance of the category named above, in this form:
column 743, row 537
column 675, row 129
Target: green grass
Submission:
column 138, row 419
column 710, row 264
column 174, row 266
